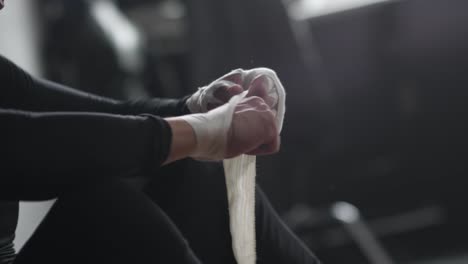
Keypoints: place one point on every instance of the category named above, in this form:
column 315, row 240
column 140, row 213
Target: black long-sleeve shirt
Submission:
column 52, row 136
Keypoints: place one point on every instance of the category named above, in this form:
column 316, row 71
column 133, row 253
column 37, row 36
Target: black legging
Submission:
column 182, row 218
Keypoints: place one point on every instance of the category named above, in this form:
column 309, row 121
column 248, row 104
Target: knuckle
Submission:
column 255, row 100
column 234, row 75
column 267, row 71
column 262, row 107
column 270, row 116
column 234, row 72
column 269, row 122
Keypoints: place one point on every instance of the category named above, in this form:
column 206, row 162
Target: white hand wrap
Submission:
column 200, row 100
column 240, row 175
column 211, row 130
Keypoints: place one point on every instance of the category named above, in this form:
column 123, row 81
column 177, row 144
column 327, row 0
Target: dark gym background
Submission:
column 374, row 158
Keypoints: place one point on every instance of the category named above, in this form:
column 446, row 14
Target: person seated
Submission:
column 58, row 142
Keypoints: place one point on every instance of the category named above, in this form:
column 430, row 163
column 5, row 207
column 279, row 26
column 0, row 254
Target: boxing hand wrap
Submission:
column 201, row 99
column 211, row 130
column 240, row 172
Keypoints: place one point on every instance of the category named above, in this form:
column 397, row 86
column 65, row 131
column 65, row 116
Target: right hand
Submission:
column 242, row 126
column 232, row 124
column 253, row 129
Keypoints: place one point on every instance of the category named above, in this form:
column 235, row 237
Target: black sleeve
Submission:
column 20, row 90
column 59, row 149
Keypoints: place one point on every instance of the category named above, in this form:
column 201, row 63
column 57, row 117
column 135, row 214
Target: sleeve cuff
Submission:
column 160, row 141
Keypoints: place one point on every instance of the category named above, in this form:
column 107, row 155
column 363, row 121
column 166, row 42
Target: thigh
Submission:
column 194, row 195
column 276, row 243
column 106, row 222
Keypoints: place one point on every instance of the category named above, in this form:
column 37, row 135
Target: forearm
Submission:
column 49, row 96
column 23, row 91
column 66, row 148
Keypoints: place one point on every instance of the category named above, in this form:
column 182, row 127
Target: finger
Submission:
column 262, row 86
column 256, row 103
column 226, row 92
column 235, row 76
column 234, row 90
column 249, row 107
column 266, row 149
column 270, row 101
column 270, row 140
column 259, row 87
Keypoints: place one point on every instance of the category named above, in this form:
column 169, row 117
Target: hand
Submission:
column 216, row 93
column 253, row 129
column 257, row 81
column 248, row 124
column 264, row 83
column 242, row 126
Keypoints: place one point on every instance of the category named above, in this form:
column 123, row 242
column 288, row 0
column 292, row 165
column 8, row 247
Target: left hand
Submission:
column 216, row 93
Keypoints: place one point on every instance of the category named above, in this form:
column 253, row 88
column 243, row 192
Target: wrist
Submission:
column 184, row 142
column 210, row 135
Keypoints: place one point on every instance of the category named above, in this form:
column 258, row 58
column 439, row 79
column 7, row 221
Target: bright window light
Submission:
column 124, row 36
column 303, row 9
